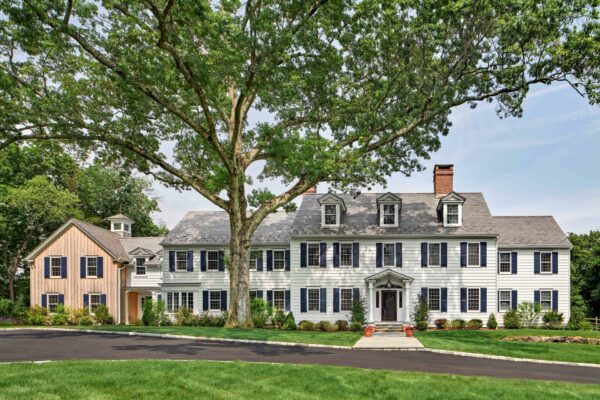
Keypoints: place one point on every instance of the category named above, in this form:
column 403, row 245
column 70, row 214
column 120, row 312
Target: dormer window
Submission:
column 450, row 209
column 331, row 214
column 332, row 207
column 388, row 206
column 389, row 214
column 452, row 214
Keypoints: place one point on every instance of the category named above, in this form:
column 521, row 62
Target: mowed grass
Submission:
column 271, row 335
column 237, row 380
column 490, row 342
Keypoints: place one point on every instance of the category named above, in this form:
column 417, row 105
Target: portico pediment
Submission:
column 389, row 275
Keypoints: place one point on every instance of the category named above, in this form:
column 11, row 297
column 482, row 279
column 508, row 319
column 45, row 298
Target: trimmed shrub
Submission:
column 441, row 323
column 327, row 326
column 184, row 316
column 530, row 314
column 37, row 315
column 86, row 320
column 136, row 322
column 491, row 322
column 458, row 324
column 148, row 313
column 289, row 323
column 553, row 320
column 512, row 319
column 260, row 311
column 356, row 326
column 577, row 321
column 306, row 326
column 278, row 318
column 422, row 325
column 357, row 314
column 220, row 320
column 160, row 313
column 19, row 312
column 6, row 308
column 474, row 324
column 77, row 314
column 342, row 325
column 102, row 316
column 421, row 313
column 61, row 316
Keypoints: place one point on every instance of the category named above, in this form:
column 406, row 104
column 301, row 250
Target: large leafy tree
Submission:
column 585, row 269
column 348, row 91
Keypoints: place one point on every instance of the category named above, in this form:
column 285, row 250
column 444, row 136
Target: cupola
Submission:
column 120, row 224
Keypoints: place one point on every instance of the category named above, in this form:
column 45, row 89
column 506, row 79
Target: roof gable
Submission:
column 332, row 198
column 389, row 197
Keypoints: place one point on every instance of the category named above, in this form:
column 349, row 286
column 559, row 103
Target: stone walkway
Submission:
column 388, row 341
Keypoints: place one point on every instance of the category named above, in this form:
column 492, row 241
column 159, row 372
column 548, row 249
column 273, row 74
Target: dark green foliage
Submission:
column 512, row 319
column 357, row 314
column 356, row 326
column 6, row 308
column 441, row 323
column 552, row 320
column 278, row 318
column 422, row 325
column 421, row 311
column 585, row 274
column 458, row 324
column 148, row 313
column 577, row 321
column 289, row 323
column 491, row 322
column 261, row 311
column 102, row 315
column 86, row 320
column 474, row 324
column 306, row 326
column 342, row 325
column 60, row 317
column 184, row 316
column 37, row 315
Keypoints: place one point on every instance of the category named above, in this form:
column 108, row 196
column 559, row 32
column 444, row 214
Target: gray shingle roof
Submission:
column 105, row 238
column 531, row 231
column 417, row 217
column 212, row 228
column 151, row 243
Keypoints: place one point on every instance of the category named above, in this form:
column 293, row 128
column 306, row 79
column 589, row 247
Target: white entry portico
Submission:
column 388, row 296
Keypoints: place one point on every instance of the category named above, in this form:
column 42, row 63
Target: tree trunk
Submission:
column 239, row 276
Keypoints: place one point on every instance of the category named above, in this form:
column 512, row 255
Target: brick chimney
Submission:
column 311, row 190
column 443, row 177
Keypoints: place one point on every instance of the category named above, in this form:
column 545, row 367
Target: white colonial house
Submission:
column 385, row 247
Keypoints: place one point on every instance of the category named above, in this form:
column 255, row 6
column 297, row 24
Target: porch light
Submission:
column 388, row 284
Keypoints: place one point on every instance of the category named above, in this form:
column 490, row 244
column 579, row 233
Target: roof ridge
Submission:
column 522, row 216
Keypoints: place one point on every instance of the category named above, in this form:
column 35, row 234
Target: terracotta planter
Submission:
column 408, row 331
column 368, row 330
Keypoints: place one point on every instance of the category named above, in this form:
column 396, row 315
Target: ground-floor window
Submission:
column 473, row 299
column 313, row 300
column 279, row 299
column 52, row 303
column 176, row 300
column 505, row 300
column 433, row 300
column 546, row 300
column 95, row 301
column 215, row 300
column 345, row 299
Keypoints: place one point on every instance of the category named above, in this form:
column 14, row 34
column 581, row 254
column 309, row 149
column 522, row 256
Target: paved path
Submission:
column 388, row 341
column 26, row 345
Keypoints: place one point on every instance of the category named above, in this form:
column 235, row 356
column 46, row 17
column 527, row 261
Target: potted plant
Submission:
column 369, row 330
column 408, row 330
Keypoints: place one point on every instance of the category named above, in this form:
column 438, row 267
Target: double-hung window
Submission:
column 473, row 254
column 279, row 299
column 177, row 300
column 505, row 300
column 314, row 254
column 212, row 261
column 389, row 214
column 187, row 300
column 505, row 263
column 546, row 263
column 253, row 294
column 140, row 266
column 313, row 300
column 52, row 303
column 546, row 300
column 452, row 214
column 433, row 300
column 95, row 301
column 215, row 300
column 278, row 260
column 346, row 254
column 55, row 267
column 434, row 255
column 254, row 256
column 473, row 299
column 91, row 266
column 345, row 299
column 330, row 214
column 389, row 254
column 181, row 260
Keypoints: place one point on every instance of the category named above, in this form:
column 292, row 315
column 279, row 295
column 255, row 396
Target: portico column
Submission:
column 371, row 303
column 407, row 302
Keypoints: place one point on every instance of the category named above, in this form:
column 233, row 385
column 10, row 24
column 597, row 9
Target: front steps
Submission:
column 389, row 329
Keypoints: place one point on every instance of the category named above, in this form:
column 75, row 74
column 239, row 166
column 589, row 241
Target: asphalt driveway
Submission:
column 28, row 345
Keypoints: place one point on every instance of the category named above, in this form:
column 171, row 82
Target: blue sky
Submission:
column 545, row 163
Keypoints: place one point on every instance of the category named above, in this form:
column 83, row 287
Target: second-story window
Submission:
column 92, row 266
column 346, row 254
column 546, row 262
column 212, row 260
column 434, row 254
column 389, row 214
column 473, row 254
column 505, row 263
column 55, row 267
column 314, row 254
column 389, row 254
column 254, row 256
column 330, row 214
column 181, row 261
column 140, row 267
column 278, row 260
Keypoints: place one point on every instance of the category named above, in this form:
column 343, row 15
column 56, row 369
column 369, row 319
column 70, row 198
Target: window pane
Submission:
column 546, row 300
column 452, row 213
column 279, row 299
column 140, row 261
column 215, row 300
column 434, row 254
column 434, row 299
column 330, row 214
column 313, row 300
column 473, row 253
column 505, row 300
column 546, row 262
column 346, row 254
column 55, row 266
column 504, row 262
column 52, row 302
column 254, row 256
column 140, row 270
column 473, row 299
column 345, row 299
column 170, row 302
column 389, row 256
column 278, row 259
column 181, row 260
column 313, row 254
column 212, row 258
column 389, row 214
column 92, row 269
column 94, row 302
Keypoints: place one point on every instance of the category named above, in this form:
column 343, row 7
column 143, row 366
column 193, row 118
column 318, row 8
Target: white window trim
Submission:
column 510, row 304
column 478, row 255
column 541, row 302
column 252, row 268
column 351, row 254
column 308, row 264
column 396, row 207
column 48, row 301
column 308, row 300
column 479, row 298
column 337, row 216
column 283, row 251
column 542, row 272
column 445, row 214
column 439, row 289
column 52, row 276
column 90, row 300
column 439, row 264
column 87, row 273
column 210, row 292
column 136, row 266
column 208, row 269
column 351, row 289
column 177, row 269
column 383, row 254
column 279, row 291
column 510, row 262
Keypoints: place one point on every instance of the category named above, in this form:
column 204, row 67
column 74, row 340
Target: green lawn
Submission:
column 272, row 335
column 489, row 342
column 205, row 379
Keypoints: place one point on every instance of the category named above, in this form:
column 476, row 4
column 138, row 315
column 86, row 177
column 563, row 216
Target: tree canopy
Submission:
column 349, row 91
column 585, row 268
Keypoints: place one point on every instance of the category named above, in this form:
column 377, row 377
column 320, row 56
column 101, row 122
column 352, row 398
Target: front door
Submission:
column 388, row 309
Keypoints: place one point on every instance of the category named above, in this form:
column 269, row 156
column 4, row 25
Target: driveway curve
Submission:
column 29, row 345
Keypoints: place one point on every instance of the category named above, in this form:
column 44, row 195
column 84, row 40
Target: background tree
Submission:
column 585, row 271
column 348, row 91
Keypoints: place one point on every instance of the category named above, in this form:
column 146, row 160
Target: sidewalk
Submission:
column 388, row 341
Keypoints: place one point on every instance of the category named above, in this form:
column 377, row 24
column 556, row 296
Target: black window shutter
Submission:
column 355, row 255
column 463, row 254
column 61, row 299
column 222, row 268
column 463, row 299
column 270, row 296
column 303, row 300
column 483, row 254
column 424, row 255
column 302, row 255
column 171, row 261
column 355, row 294
column 269, row 260
column 336, row 300
column 444, row 257
column 287, row 300
column 536, row 262
column 47, row 267
column 44, row 301
column 513, row 257
column 536, row 296
column 514, row 299
column 86, row 300
column 444, row 295
column 555, row 300
column 63, row 267
column 336, row 255
column 287, row 260
column 103, row 299
column 259, row 294
column 100, row 267
column 323, row 252
column 203, row 260
column 555, row 262
column 223, row 299
column 483, row 299
column 378, row 255
column 398, row 254
column 205, row 300
column 190, row 261
column 424, row 294
column 323, row 300
column 82, row 271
